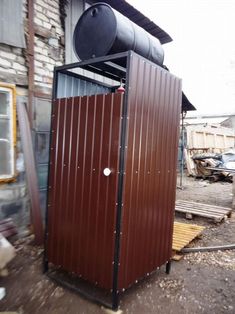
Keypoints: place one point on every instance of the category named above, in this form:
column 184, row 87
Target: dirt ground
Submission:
column 198, row 283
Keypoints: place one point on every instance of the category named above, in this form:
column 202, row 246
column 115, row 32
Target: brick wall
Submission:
column 49, row 48
column 12, row 60
column 13, row 63
column 49, row 38
column 49, row 52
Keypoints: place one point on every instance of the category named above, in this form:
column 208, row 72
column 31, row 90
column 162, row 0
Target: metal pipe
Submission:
column 209, row 248
column 183, row 115
column 31, row 60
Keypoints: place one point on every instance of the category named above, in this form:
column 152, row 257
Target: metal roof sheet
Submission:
column 186, row 104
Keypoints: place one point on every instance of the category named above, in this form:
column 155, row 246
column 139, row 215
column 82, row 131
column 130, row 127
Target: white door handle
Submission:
column 106, row 172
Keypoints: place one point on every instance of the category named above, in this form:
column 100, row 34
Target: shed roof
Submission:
column 138, row 18
column 186, row 104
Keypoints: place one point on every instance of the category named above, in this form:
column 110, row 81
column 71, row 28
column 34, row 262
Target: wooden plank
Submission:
column 7, row 220
column 201, row 210
column 177, row 257
column 185, row 226
column 204, row 205
column 217, row 213
column 193, row 210
column 183, row 234
column 31, row 174
column 197, row 213
column 208, row 209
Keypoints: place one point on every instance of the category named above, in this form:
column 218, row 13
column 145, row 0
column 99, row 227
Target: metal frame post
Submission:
column 115, row 292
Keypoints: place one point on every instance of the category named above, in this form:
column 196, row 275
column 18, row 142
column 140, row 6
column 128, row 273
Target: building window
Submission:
column 7, row 131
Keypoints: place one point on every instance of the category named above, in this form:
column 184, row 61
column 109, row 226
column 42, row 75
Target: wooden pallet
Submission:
column 217, row 213
column 183, row 234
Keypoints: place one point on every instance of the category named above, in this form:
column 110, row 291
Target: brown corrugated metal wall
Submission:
column 85, row 208
column 154, row 103
column 82, row 201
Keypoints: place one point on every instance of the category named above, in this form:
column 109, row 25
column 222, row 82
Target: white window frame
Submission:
column 8, row 88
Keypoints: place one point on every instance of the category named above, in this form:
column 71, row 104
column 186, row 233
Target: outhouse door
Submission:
column 83, row 185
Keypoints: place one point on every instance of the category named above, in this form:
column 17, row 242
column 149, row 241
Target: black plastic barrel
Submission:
column 101, row 31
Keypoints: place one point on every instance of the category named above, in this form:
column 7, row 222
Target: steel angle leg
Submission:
column 45, row 267
column 168, row 267
column 115, row 300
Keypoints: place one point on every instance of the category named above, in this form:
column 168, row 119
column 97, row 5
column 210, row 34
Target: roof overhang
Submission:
column 186, row 104
column 138, row 18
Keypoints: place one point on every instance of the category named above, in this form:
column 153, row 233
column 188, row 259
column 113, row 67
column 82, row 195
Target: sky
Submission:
column 203, row 49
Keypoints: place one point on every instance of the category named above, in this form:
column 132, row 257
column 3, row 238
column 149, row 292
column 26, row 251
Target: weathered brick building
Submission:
column 31, row 71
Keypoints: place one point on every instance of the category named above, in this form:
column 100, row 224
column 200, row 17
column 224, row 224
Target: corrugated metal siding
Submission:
column 41, row 135
column 150, row 174
column 74, row 10
column 70, row 86
column 82, row 201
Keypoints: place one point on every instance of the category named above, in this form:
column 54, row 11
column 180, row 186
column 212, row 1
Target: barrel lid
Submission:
column 95, row 32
